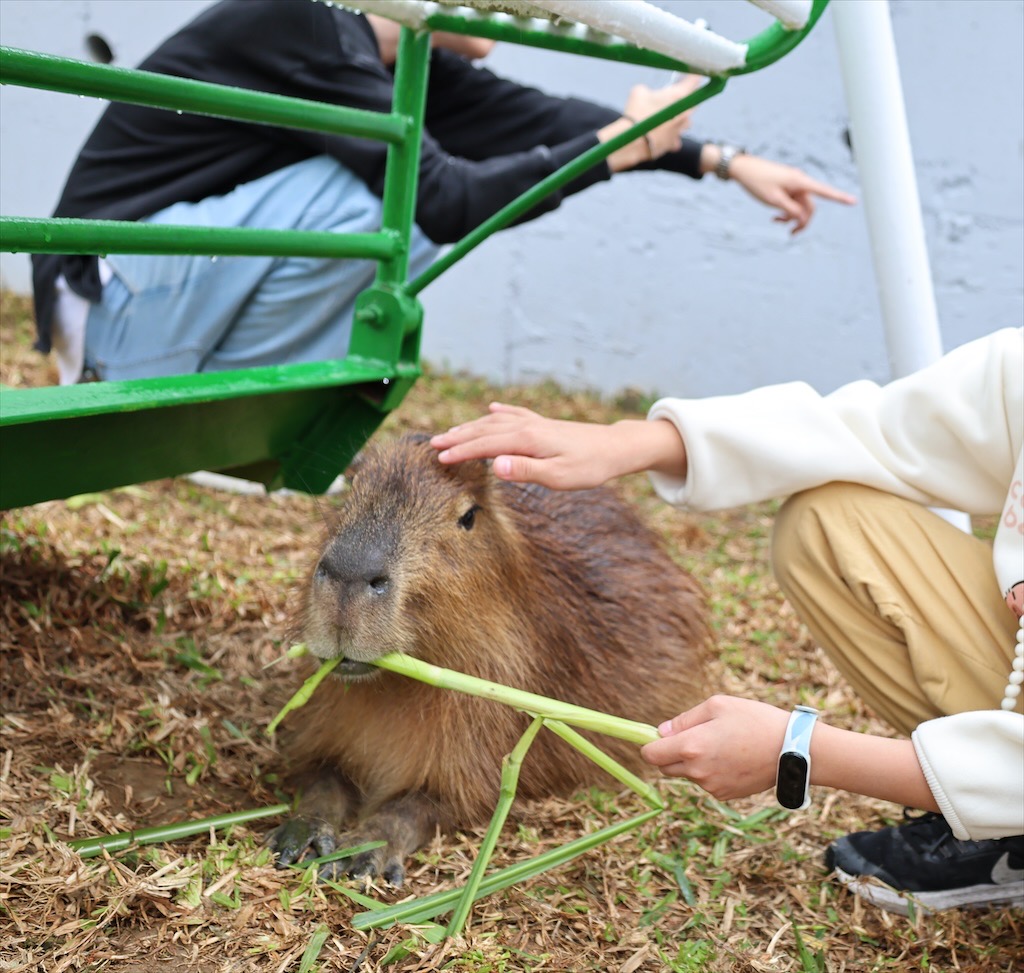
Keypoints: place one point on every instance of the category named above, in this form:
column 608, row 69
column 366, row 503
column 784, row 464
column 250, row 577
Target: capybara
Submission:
column 566, row 594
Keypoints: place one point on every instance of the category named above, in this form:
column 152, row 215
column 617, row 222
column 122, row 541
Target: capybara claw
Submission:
column 298, row 835
column 367, row 865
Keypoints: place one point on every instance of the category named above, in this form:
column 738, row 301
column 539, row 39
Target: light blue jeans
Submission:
column 173, row 315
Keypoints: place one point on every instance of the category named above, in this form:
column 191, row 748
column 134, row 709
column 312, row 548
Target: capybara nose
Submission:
column 379, row 584
column 363, row 572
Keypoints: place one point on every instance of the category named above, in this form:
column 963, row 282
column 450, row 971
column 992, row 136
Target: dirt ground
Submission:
column 136, row 627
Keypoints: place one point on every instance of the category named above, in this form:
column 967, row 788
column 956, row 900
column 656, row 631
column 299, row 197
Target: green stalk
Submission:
column 606, row 763
column 90, row 847
column 549, row 709
column 509, row 781
column 429, row 906
column 306, row 690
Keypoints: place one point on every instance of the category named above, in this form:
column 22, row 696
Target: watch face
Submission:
column 791, row 786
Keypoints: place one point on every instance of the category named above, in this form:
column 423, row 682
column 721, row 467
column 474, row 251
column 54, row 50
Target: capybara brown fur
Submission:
column 566, row 594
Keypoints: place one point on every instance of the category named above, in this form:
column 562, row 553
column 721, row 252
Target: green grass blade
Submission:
column 429, row 906
column 313, row 947
column 90, row 847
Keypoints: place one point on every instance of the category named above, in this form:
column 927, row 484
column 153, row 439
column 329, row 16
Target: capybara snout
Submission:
column 565, row 594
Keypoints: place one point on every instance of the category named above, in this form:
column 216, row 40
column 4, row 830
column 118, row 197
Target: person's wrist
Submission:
column 632, row 153
column 648, row 140
column 649, row 445
column 710, row 153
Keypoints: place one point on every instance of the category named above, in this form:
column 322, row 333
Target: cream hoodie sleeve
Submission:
column 974, row 765
column 949, row 435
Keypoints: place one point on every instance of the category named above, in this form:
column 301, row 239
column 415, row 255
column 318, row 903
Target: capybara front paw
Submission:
column 361, row 867
column 373, row 863
column 298, row 835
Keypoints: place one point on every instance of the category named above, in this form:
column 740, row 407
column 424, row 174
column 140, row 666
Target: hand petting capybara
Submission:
column 565, row 594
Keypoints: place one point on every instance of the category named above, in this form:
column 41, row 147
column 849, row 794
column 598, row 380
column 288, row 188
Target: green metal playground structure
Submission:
column 294, row 426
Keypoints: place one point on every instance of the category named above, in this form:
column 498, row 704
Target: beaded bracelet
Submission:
column 1013, row 687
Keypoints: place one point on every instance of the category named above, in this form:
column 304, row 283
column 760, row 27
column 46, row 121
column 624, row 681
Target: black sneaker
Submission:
column 937, row 871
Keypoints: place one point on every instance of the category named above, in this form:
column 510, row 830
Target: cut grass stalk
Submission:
column 90, row 847
column 306, row 690
column 430, row 906
column 535, row 705
column 606, row 763
column 506, row 794
column 532, row 703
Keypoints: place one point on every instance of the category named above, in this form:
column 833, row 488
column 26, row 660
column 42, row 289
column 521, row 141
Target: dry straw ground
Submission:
column 134, row 631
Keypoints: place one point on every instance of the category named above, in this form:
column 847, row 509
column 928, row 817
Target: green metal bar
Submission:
column 515, row 30
column 556, row 180
column 31, row 235
column 33, row 70
column 402, row 175
column 776, row 41
column 56, row 402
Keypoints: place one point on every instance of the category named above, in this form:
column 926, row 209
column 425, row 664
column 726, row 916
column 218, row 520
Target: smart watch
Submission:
column 793, row 783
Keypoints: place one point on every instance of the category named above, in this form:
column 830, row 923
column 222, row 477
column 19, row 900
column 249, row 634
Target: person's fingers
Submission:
column 512, row 410
column 482, row 446
column 784, row 202
column 523, row 469
column 826, row 191
column 674, row 770
column 664, row 752
column 807, row 212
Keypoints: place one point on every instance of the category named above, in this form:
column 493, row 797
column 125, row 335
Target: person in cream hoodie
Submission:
column 923, row 618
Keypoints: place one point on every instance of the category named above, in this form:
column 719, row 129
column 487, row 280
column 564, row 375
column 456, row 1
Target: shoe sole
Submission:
column 971, row 896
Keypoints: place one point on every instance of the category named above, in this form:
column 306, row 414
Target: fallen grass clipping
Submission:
column 552, row 714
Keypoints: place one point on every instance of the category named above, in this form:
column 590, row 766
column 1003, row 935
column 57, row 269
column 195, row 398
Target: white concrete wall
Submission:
column 653, row 281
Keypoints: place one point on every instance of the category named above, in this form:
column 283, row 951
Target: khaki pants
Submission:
column 905, row 604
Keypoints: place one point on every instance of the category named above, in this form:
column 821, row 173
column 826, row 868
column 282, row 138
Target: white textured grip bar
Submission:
column 792, row 14
column 408, row 13
column 650, row 27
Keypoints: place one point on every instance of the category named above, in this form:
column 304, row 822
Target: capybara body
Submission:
column 566, row 594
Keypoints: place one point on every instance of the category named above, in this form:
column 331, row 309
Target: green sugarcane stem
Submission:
column 305, row 692
column 90, row 847
column 509, row 782
column 606, row 763
column 535, row 705
column 429, row 906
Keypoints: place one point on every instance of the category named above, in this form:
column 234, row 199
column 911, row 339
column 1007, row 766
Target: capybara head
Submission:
column 418, row 547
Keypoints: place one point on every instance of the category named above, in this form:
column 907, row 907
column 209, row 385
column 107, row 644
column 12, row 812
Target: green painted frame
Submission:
column 294, row 426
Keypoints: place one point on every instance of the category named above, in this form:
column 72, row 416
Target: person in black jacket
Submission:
column 486, row 141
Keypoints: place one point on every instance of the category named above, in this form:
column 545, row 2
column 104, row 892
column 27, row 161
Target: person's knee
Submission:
column 804, row 528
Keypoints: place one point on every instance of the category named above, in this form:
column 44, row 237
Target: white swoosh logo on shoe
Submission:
column 1002, row 874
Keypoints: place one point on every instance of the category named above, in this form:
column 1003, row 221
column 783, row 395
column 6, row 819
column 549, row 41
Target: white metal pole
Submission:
column 881, row 148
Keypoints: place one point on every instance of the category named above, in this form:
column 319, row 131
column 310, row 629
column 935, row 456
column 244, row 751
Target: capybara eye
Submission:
column 466, row 520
